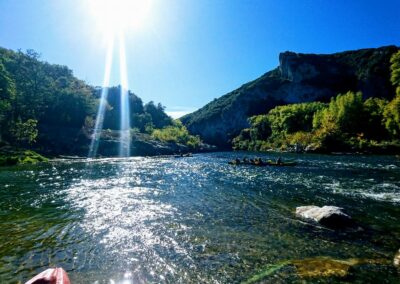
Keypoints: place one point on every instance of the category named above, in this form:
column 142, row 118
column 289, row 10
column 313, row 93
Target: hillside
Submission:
column 298, row 78
column 44, row 107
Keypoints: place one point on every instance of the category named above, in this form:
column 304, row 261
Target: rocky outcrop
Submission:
column 76, row 142
column 329, row 216
column 298, row 78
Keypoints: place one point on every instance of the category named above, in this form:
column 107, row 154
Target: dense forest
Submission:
column 346, row 123
column 45, row 108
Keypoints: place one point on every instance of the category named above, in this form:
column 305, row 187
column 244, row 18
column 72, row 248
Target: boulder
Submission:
column 396, row 260
column 329, row 216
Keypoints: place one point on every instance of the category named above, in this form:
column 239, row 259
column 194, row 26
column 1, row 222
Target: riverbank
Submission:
column 142, row 145
column 10, row 156
column 374, row 148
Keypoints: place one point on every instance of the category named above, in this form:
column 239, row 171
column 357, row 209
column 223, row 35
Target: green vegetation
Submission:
column 392, row 111
column 10, row 156
column 25, row 132
column 43, row 107
column 347, row 123
column 299, row 78
column 177, row 133
column 35, row 96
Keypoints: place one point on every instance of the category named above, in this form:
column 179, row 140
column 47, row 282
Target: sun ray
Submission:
column 116, row 18
column 103, row 100
column 125, row 137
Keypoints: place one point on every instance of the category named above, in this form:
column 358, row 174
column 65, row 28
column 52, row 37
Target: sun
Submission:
column 113, row 16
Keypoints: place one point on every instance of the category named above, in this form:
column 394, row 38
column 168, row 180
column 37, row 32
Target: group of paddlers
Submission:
column 181, row 155
column 256, row 161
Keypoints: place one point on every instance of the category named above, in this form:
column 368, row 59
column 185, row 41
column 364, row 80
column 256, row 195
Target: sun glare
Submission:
column 120, row 15
column 116, row 18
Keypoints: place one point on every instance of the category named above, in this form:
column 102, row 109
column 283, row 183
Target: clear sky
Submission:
column 189, row 52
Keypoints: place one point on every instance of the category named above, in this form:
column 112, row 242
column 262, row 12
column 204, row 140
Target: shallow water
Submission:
column 194, row 220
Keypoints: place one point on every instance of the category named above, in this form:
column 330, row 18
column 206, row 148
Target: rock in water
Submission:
column 396, row 260
column 329, row 216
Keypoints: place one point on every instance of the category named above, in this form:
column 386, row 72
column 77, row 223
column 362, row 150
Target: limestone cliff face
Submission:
column 299, row 78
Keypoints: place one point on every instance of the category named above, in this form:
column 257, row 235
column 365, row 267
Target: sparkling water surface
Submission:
column 196, row 219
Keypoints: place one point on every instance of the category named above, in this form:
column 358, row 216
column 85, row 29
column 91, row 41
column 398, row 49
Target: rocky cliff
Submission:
column 298, row 78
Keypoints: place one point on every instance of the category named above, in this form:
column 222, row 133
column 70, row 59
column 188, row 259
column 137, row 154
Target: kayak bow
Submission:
column 51, row 276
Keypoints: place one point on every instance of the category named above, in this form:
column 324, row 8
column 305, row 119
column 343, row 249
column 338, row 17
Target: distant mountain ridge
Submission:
column 298, row 78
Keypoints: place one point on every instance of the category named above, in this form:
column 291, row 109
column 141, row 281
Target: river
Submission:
column 196, row 219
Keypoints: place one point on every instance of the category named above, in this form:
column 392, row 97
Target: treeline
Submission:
column 34, row 94
column 144, row 117
column 347, row 123
column 177, row 133
column 44, row 107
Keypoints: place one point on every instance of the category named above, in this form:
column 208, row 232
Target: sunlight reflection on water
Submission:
column 190, row 220
column 121, row 215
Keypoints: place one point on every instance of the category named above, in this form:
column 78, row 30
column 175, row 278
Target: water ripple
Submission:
column 188, row 220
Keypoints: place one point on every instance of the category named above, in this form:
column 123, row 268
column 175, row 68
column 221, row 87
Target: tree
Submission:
column 392, row 117
column 293, row 118
column 345, row 111
column 260, row 128
column 25, row 132
column 7, row 95
column 176, row 133
column 395, row 71
column 392, row 110
column 159, row 118
column 373, row 121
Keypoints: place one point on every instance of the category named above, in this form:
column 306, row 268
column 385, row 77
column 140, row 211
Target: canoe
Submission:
column 183, row 156
column 51, row 276
column 264, row 164
column 281, row 164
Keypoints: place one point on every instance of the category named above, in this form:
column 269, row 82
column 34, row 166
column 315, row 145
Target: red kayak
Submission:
column 51, row 276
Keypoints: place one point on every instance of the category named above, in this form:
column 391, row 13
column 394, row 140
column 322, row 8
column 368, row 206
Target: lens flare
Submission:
column 94, row 145
column 114, row 15
column 116, row 18
column 125, row 137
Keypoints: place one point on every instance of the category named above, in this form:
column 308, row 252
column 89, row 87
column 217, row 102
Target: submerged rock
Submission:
column 329, row 216
column 323, row 267
column 314, row 268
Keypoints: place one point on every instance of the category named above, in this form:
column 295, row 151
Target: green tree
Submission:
column 176, row 133
column 395, row 71
column 159, row 118
column 25, row 132
column 7, row 95
column 392, row 117
column 345, row 111
column 392, row 110
column 260, row 128
column 293, row 118
column 373, row 121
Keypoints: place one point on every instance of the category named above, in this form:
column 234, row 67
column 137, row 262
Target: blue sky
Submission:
column 192, row 51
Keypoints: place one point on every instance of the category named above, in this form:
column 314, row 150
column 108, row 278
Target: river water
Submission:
column 196, row 220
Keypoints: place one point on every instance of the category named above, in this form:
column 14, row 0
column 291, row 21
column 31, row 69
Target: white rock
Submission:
column 396, row 260
column 330, row 216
